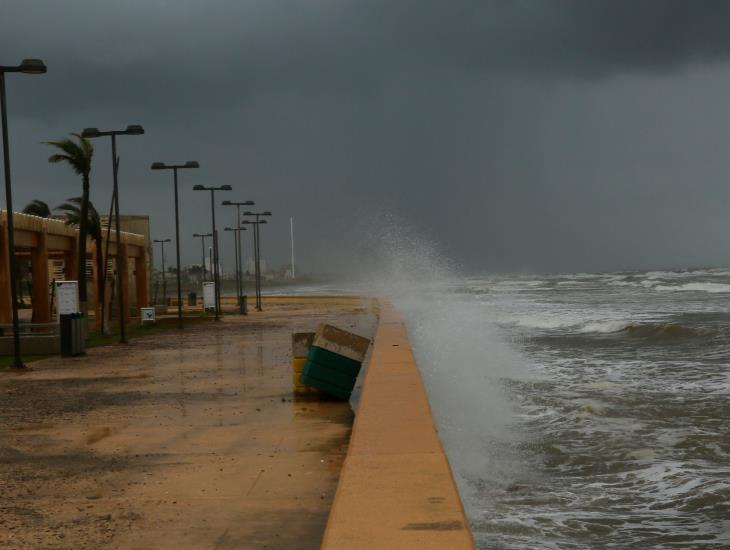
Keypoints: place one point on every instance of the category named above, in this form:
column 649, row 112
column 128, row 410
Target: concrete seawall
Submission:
column 396, row 489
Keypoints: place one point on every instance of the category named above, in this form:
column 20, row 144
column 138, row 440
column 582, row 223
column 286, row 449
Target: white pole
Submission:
column 291, row 224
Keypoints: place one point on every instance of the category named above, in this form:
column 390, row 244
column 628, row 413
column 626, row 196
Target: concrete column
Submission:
column 140, row 279
column 123, row 273
column 6, row 308
column 41, row 298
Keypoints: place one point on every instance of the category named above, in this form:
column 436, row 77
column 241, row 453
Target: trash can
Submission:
column 192, row 299
column 243, row 304
column 334, row 361
column 73, row 334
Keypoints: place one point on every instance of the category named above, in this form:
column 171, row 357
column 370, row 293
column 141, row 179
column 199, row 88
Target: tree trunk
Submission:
column 83, row 223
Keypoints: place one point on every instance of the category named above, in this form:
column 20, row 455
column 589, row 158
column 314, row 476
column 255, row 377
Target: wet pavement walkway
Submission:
column 178, row 440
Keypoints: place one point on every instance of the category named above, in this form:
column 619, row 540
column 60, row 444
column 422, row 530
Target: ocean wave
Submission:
column 697, row 287
column 609, row 326
column 639, row 329
column 544, row 323
column 619, row 282
column 605, row 326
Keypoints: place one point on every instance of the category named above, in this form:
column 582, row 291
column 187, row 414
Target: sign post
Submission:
column 67, row 298
column 208, row 295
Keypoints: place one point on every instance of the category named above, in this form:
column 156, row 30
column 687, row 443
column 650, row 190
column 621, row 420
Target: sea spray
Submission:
column 462, row 357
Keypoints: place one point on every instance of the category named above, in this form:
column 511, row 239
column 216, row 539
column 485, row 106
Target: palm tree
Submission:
column 78, row 155
column 71, row 211
column 37, row 208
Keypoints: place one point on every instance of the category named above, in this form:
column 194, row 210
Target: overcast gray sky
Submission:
column 544, row 134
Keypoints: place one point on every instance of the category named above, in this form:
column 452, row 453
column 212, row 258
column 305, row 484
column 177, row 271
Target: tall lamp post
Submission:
column 164, row 280
column 257, row 250
column 174, row 168
column 239, row 255
column 202, row 242
column 27, row 66
column 131, row 130
column 237, row 250
column 214, row 267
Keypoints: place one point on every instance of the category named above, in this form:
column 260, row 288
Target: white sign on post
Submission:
column 209, row 295
column 67, row 297
column 147, row 315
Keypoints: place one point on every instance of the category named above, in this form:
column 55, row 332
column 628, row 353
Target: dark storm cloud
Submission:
column 452, row 111
column 169, row 53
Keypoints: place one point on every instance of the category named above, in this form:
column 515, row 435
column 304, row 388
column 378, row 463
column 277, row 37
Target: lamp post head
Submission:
column 267, row 213
column 90, row 133
column 228, row 229
column 197, row 235
column 226, row 188
column 248, row 203
column 248, row 213
column 134, row 130
column 198, row 188
column 263, row 221
column 158, row 166
column 247, row 222
column 191, row 164
column 32, row 66
column 226, row 203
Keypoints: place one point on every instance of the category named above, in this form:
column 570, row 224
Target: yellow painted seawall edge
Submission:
column 396, row 488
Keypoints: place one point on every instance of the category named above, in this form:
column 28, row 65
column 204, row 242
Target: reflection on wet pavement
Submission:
column 189, row 439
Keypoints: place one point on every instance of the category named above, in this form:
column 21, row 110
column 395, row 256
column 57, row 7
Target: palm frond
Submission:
column 71, row 211
column 57, row 157
column 77, row 155
column 37, row 208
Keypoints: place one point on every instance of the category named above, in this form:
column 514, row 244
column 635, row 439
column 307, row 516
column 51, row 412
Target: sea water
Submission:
column 581, row 410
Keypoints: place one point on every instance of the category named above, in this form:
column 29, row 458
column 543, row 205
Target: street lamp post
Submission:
column 27, row 66
column 216, row 275
column 174, row 168
column 202, row 242
column 131, row 130
column 257, row 250
column 239, row 260
column 164, row 280
column 237, row 250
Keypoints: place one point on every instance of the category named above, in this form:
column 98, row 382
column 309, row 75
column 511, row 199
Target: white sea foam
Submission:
column 697, row 287
column 605, row 326
column 619, row 282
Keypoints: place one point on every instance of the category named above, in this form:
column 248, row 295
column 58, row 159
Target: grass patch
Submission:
column 137, row 330
column 133, row 330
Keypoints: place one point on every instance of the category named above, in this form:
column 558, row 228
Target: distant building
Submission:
column 250, row 267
